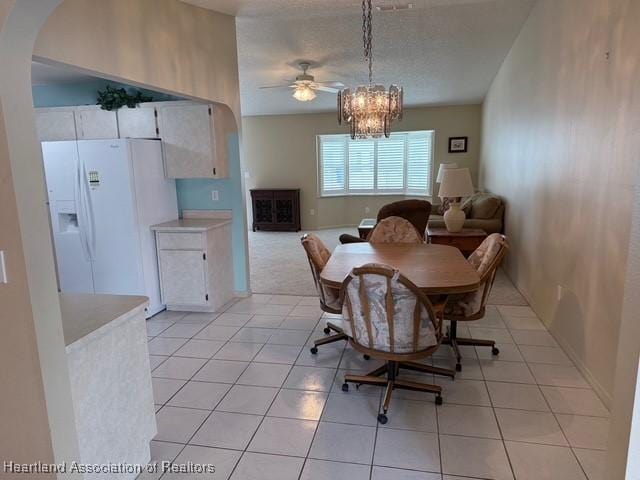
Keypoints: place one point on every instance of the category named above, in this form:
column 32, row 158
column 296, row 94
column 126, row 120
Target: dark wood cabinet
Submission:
column 276, row 209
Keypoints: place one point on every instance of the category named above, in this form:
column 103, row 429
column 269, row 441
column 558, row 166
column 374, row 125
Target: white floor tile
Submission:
column 223, row 462
column 181, row 368
column 585, row 432
column 202, row 395
column 464, row 392
column 543, row 462
column 182, row 330
column 299, row 323
column 550, row 355
column 232, row 319
column 286, row 354
column 309, row 301
column 265, row 321
column 285, row 300
column 474, row 457
column 246, row 399
column 498, row 335
column 558, row 375
column 310, row 378
column 515, row 395
column 260, row 466
column 306, row 311
column 217, row 332
column 284, row 436
column 532, row 427
column 155, row 328
column 356, row 409
column 533, row 337
column 386, row 473
column 406, row 449
column 198, row 317
column 467, row 420
column 165, row 346
column 298, row 404
column 344, row 443
column 264, row 374
column 223, row 371
column 508, row 353
column 516, row 311
column 411, row 415
column 593, row 462
column 244, row 352
column 515, row 322
column 167, row 316
column 328, row 356
column 514, row 372
column 164, row 389
column 155, row 360
column 227, row 430
column 289, row 337
column 253, row 335
column 178, row 424
column 578, row 401
column 199, row 348
column 326, row 470
column 470, row 368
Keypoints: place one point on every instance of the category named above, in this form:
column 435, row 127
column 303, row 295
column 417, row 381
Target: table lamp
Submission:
column 456, row 183
column 442, row 168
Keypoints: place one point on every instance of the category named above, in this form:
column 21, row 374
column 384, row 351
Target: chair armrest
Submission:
column 347, row 238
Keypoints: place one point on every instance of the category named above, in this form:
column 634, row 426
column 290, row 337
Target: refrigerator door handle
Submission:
column 88, row 212
column 80, row 211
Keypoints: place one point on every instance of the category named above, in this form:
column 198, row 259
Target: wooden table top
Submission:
column 435, row 269
column 465, row 232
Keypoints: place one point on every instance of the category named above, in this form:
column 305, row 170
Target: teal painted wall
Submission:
column 82, row 93
column 195, row 194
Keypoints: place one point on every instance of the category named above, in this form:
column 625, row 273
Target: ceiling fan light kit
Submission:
column 369, row 109
column 304, row 93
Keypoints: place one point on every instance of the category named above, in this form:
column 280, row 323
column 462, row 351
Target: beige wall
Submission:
column 560, row 142
column 166, row 44
column 280, row 151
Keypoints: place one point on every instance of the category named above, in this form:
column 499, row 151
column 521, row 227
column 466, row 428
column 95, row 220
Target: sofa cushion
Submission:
column 492, row 225
column 484, row 206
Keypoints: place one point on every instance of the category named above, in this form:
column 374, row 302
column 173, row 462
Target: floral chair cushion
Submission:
column 405, row 302
column 395, row 230
column 468, row 304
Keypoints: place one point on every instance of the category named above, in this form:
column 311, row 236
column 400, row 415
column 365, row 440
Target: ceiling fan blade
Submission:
column 322, row 88
column 279, row 86
column 332, row 84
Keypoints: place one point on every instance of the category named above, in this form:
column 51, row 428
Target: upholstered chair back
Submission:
column 486, row 259
column 318, row 255
column 395, row 230
column 415, row 211
column 384, row 311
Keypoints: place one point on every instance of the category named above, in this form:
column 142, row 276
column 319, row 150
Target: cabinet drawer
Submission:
column 180, row 241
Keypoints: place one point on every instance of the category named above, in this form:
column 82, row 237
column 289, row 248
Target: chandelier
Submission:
column 369, row 109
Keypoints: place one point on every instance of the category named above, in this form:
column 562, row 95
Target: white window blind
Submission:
column 400, row 164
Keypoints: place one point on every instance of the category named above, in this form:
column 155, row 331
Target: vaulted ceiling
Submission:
column 440, row 51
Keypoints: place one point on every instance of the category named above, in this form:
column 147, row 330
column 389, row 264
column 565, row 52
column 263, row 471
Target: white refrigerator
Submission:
column 103, row 197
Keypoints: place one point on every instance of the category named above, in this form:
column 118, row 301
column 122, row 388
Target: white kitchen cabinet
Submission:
column 94, row 123
column 195, row 263
column 194, row 140
column 53, row 124
column 139, row 122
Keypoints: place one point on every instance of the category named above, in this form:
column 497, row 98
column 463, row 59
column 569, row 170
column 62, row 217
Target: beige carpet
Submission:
column 279, row 266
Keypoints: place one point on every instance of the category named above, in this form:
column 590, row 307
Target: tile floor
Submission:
column 239, row 389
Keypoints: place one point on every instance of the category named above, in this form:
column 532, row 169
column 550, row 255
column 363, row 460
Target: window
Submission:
column 398, row 165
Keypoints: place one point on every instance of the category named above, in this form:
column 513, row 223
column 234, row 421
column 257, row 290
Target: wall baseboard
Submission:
column 241, row 293
column 605, row 396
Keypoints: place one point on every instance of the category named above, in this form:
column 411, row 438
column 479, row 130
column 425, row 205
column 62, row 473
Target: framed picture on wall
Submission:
column 458, row 144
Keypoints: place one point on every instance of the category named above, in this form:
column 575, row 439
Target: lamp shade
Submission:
column 456, row 182
column 442, row 168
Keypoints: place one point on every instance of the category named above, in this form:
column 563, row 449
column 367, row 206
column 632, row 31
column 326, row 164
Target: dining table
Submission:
column 434, row 269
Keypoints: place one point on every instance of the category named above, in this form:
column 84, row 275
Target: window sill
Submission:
column 411, row 195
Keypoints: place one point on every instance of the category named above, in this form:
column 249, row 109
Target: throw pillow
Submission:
column 485, row 206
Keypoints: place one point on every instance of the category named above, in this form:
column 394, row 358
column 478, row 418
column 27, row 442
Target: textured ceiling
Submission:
column 441, row 51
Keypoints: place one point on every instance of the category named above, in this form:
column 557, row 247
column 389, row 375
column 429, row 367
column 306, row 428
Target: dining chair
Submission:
column 415, row 211
column 318, row 255
column 387, row 317
column 394, row 230
column 471, row 306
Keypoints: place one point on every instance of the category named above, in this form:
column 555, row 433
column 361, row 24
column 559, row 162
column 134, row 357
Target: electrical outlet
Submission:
column 367, row 209
column 312, row 212
column 559, row 292
column 214, row 195
column 3, row 269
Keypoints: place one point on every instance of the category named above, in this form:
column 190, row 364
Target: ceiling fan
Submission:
column 305, row 86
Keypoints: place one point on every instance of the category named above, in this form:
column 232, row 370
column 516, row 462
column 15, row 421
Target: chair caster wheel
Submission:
column 382, row 418
column 345, row 387
column 495, row 351
column 314, row 350
column 327, row 330
column 366, row 357
column 458, row 367
column 439, row 400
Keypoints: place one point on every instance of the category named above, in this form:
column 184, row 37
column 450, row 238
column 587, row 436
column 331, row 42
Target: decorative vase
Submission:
column 454, row 217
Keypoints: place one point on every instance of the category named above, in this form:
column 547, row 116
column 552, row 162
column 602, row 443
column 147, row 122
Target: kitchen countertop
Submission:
column 191, row 224
column 86, row 315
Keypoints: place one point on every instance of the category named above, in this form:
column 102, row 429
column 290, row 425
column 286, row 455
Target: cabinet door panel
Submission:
column 137, row 122
column 187, row 138
column 183, row 277
column 54, row 125
column 95, row 123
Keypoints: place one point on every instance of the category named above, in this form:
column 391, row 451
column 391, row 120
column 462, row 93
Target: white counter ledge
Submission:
column 108, row 360
column 191, row 225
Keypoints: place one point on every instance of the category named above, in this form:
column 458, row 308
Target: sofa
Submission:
column 483, row 210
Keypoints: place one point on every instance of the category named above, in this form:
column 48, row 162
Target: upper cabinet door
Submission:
column 55, row 124
column 95, row 123
column 187, row 135
column 139, row 122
